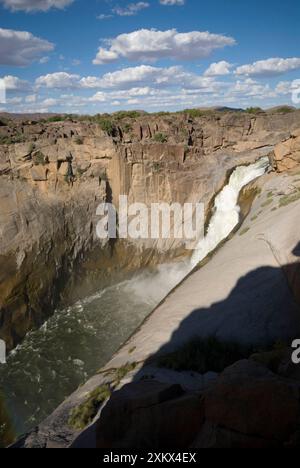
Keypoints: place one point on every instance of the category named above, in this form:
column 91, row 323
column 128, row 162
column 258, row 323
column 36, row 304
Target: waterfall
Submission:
column 226, row 209
column 226, row 216
column 76, row 341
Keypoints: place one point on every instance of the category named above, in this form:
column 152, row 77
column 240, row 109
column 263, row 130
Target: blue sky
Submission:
column 90, row 56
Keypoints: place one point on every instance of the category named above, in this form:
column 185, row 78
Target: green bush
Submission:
column 196, row 113
column 160, row 138
column 12, row 139
column 126, row 114
column 56, row 118
column 127, row 128
column 39, row 159
column 287, row 199
column 83, row 415
column 254, row 110
column 284, row 110
column 107, row 126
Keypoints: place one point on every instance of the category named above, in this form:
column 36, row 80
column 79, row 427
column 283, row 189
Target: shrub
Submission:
column 121, row 372
column 127, row 128
column 160, row 138
column 12, row 139
column 254, row 110
column 126, row 114
column 285, row 110
column 107, row 126
column 39, row 159
column 56, row 118
column 79, row 141
column 83, row 415
column 204, row 355
column 287, row 199
column 196, row 113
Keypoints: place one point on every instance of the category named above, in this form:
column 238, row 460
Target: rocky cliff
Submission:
column 218, row 349
column 54, row 174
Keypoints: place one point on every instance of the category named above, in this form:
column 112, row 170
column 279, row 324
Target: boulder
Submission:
column 150, row 415
column 252, row 401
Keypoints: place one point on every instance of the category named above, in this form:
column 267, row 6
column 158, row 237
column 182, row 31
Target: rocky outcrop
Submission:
column 53, row 176
column 287, row 153
column 253, row 302
column 248, row 407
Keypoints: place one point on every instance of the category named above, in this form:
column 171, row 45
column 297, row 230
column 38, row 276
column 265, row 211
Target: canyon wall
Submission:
column 53, row 175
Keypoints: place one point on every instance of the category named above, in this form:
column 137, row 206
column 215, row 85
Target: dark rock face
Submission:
column 253, row 403
column 150, row 415
column 248, row 407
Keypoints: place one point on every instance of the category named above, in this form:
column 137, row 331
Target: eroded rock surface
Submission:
column 54, row 175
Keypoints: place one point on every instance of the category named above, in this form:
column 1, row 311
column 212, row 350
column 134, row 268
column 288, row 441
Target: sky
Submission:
column 96, row 56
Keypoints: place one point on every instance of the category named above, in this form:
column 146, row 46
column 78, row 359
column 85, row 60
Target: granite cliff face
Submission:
column 163, row 392
column 53, row 176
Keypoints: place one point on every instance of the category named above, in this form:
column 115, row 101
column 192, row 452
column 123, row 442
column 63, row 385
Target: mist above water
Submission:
column 73, row 344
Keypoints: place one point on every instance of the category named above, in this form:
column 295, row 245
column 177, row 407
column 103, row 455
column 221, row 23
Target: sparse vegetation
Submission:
column 127, row 128
column 196, row 113
column 287, row 199
column 121, row 372
column 31, row 148
column 284, row 110
column 157, row 166
column 57, row 118
column 107, row 126
column 83, row 415
column 244, row 231
column 126, row 115
column 268, row 202
column 12, row 139
column 39, row 159
column 204, row 355
column 79, row 141
column 160, row 138
column 254, row 110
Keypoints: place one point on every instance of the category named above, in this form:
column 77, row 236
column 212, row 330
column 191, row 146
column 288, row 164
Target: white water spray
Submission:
column 225, row 218
column 227, row 211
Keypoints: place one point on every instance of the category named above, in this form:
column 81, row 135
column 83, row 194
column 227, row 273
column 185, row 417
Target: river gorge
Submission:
column 72, row 305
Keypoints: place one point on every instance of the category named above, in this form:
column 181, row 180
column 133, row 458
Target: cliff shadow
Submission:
column 262, row 309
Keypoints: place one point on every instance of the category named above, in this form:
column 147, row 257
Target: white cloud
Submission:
column 104, row 16
column 172, row 2
column 131, row 9
column 250, row 88
column 269, row 67
column 31, row 98
column 44, row 60
column 13, row 83
column 21, row 48
column 58, row 80
column 35, row 5
column 144, row 75
column 218, row 69
column 151, row 45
